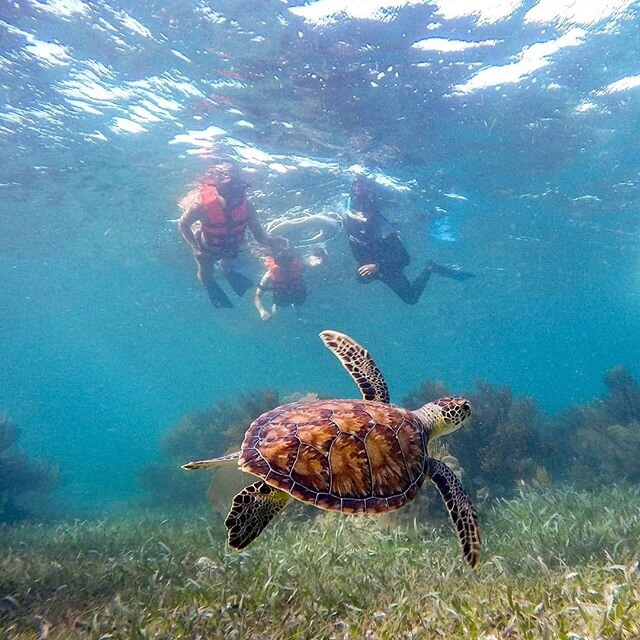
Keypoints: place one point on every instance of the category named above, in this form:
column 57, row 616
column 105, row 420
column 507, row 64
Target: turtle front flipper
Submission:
column 251, row 511
column 206, row 464
column 462, row 512
column 360, row 365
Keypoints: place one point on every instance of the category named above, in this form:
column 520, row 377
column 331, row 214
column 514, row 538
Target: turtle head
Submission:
column 445, row 415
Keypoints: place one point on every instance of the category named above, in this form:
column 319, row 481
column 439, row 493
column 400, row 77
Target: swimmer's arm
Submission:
column 258, row 232
column 257, row 296
column 185, row 221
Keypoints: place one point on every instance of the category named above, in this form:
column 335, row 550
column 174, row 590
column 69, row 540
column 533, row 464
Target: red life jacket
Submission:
column 222, row 228
column 288, row 284
column 287, row 275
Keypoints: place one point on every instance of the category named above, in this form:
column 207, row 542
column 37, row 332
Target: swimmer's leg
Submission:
column 217, row 296
column 238, row 281
column 398, row 282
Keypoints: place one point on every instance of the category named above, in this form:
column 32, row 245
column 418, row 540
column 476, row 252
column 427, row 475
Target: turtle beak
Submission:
column 465, row 408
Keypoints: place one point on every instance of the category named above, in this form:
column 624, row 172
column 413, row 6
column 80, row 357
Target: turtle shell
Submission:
column 353, row 456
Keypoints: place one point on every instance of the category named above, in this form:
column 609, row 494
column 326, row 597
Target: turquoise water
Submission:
column 518, row 119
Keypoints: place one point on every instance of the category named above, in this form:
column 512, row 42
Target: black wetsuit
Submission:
column 286, row 293
column 374, row 241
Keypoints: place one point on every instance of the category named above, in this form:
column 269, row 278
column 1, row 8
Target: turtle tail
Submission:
column 206, row 464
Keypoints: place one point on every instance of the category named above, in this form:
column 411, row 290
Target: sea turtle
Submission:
column 355, row 456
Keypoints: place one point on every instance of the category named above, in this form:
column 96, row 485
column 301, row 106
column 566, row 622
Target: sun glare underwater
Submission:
column 308, row 238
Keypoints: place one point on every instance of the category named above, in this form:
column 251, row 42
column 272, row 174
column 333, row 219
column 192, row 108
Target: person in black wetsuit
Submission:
column 378, row 250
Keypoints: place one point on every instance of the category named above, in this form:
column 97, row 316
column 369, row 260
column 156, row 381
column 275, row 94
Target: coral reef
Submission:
column 623, row 398
column 505, row 445
column 22, row 481
column 604, row 455
column 502, row 447
column 600, row 440
column 508, row 444
column 198, row 435
column 203, row 434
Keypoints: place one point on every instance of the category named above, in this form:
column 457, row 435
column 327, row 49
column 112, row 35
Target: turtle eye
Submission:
column 459, row 412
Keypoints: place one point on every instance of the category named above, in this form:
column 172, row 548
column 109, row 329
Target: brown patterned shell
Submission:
column 354, row 456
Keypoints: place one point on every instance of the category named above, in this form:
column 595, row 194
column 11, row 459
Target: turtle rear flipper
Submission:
column 360, row 365
column 251, row 511
column 206, row 464
column 462, row 512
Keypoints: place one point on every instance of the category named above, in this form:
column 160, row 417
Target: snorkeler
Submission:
column 284, row 278
column 215, row 216
column 377, row 247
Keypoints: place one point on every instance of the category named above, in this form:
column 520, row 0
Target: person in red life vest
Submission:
column 284, row 278
column 216, row 215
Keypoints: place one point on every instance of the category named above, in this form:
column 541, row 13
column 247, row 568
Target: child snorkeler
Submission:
column 284, row 278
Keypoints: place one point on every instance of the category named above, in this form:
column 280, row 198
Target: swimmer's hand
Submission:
column 317, row 258
column 279, row 243
column 265, row 315
column 368, row 270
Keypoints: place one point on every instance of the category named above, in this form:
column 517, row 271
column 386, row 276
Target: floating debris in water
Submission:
column 81, row 625
column 207, row 564
column 43, row 629
column 10, row 602
column 164, row 547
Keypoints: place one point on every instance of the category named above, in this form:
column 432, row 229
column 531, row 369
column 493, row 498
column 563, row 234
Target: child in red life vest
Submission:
column 284, row 278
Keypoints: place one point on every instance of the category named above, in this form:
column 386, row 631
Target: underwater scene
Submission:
column 319, row 320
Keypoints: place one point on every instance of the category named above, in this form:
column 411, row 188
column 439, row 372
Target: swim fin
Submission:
column 217, row 296
column 239, row 283
column 455, row 273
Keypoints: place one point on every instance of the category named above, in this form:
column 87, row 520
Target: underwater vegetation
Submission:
column 558, row 564
column 504, row 444
column 601, row 439
column 508, row 444
column 199, row 435
column 24, row 483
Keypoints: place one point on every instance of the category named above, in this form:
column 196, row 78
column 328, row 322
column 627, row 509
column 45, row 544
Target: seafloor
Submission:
column 557, row 564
